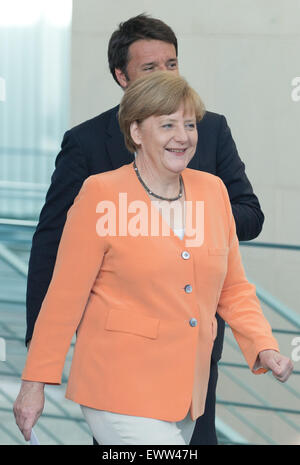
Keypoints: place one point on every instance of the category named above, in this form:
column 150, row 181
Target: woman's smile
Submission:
column 177, row 152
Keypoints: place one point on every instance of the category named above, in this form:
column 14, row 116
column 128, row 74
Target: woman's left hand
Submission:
column 280, row 365
column 28, row 406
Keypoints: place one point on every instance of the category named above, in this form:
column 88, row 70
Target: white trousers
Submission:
column 113, row 429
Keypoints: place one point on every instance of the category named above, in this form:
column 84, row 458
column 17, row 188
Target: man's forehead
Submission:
column 151, row 50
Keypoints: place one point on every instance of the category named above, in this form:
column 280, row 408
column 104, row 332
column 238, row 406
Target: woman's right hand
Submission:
column 29, row 406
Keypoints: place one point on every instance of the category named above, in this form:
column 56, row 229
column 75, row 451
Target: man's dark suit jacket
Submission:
column 98, row 145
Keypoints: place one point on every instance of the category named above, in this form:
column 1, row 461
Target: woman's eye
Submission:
column 167, row 126
column 191, row 126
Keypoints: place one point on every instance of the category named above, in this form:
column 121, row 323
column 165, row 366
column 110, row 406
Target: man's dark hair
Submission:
column 141, row 27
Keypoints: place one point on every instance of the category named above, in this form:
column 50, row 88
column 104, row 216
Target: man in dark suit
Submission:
column 140, row 45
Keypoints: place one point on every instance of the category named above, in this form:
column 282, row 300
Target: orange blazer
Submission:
column 144, row 305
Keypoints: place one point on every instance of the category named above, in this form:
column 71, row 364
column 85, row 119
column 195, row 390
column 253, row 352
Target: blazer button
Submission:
column 193, row 322
column 188, row 288
column 185, row 255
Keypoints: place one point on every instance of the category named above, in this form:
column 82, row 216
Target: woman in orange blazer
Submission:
column 148, row 255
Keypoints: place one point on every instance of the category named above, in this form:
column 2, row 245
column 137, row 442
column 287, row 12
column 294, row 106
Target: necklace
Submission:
column 152, row 193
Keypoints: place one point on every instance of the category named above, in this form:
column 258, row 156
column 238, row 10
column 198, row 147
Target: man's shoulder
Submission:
column 90, row 136
column 97, row 123
column 211, row 120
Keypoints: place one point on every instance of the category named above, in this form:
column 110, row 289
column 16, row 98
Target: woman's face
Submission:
column 168, row 142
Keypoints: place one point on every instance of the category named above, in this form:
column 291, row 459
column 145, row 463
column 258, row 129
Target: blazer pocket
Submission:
column 128, row 322
column 218, row 251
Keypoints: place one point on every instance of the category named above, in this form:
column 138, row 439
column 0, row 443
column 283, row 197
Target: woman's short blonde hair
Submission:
column 158, row 93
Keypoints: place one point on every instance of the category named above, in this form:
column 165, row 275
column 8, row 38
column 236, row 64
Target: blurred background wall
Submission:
column 242, row 56
column 35, row 63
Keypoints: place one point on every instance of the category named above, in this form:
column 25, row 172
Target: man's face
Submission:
column 146, row 56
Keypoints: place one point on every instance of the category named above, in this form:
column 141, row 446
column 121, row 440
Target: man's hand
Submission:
column 280, row 365
column 28, row 406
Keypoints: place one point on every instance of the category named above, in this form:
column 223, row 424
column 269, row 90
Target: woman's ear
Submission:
column 135, row 133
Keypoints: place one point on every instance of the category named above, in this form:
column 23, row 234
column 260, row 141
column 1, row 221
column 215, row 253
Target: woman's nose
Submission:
column 181, row 134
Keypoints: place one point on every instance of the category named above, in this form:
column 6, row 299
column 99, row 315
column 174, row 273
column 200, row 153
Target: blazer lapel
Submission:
column 115, row 145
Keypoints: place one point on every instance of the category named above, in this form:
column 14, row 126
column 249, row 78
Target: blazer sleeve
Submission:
column 238, row 304
column 79, row 259
column 246, row 209
column 70, row 172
